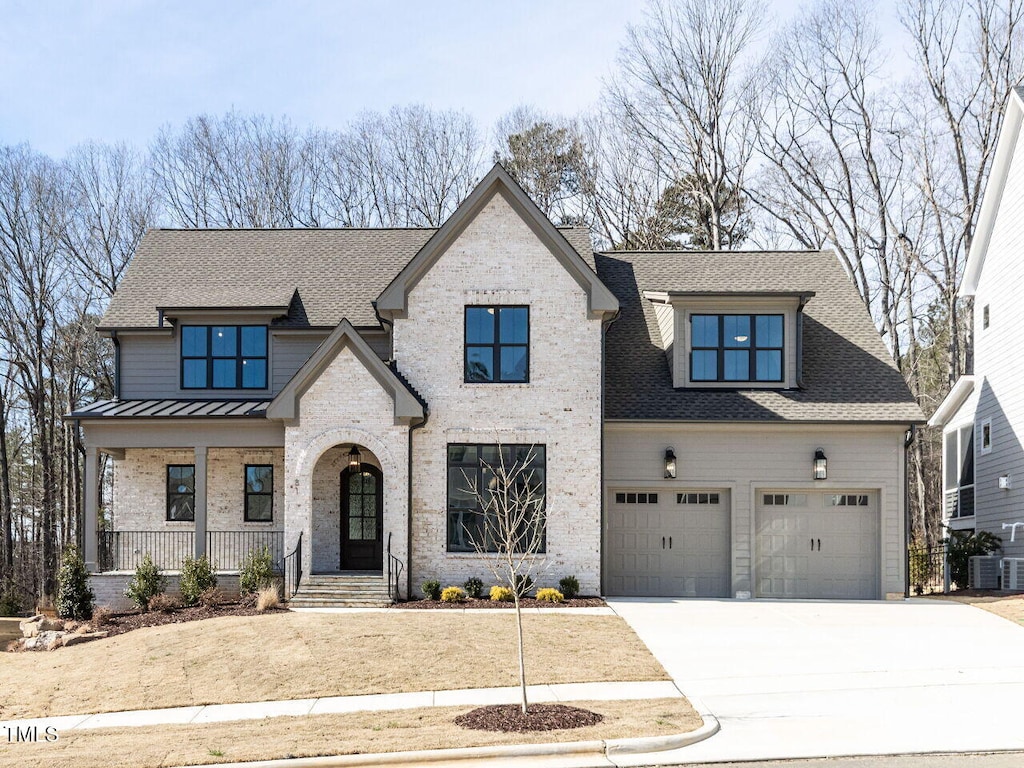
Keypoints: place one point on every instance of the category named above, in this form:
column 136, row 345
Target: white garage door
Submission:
column 817, row 545
column 668, row 543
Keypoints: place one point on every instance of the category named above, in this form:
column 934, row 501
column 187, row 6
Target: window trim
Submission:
column 247, row 493
column 721, row 349
column 496, row 345
column 168, row 494
column 479, row 468
column 209, row 357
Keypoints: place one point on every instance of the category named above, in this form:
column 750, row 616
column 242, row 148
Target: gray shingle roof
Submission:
column 323, row 274
column 848, row 374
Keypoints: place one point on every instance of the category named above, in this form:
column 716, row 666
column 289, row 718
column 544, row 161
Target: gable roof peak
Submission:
column 393, row 301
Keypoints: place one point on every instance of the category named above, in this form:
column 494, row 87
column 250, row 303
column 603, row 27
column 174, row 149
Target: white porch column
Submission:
column 200, row 508
column 91, row 489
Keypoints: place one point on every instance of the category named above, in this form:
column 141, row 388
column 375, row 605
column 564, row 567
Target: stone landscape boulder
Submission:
column 34, row 625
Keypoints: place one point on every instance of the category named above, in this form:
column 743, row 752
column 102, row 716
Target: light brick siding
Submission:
column 498, row 259
column 140, row 488
column 345, row 405
column 108, row 588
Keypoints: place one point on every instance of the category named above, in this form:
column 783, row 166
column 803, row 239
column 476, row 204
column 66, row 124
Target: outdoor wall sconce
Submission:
column 354, row 459
column 670, row 463
column 820, row 465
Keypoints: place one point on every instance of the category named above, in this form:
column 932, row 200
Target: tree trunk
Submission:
column 522, row 654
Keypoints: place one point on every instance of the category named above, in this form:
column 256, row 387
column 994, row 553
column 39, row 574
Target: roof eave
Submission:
column 951, row 403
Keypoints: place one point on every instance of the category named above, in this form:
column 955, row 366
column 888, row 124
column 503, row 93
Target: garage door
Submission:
column 668, row 544
column 817, row 545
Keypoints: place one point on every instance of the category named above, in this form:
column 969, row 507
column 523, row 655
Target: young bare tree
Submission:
column 684, row 92
column 510, row 529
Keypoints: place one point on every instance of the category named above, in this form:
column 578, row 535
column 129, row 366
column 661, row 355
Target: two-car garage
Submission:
column 807, row 543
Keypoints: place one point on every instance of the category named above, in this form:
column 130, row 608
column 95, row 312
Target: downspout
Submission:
column 117, row 365
column 908, row 440
column 408, row 516
column 605, row 325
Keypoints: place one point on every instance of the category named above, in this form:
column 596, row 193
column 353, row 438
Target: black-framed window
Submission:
column 497, row 344
column 223, row 357
column 473, row 471
column 259, row 493
column 181, row 492
column 736, row 348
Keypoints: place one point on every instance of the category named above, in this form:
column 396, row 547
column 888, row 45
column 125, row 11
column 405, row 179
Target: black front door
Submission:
column 362, row 508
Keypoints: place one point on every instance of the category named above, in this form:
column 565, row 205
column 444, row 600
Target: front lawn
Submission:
column 364, row 732
column 1008, row 606
column 306, row 655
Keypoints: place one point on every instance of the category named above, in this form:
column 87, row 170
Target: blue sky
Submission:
column 116, row 70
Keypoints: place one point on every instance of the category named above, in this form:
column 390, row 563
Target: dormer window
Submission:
column 223, row 357
column 736, row 348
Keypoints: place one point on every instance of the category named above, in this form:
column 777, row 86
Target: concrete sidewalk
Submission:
column 218, row 713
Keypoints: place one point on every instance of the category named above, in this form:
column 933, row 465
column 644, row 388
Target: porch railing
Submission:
column 125, row 550
column 293, row 569
column 960, row 502
column 927, row 569
column 227, row 549
column 395, row 568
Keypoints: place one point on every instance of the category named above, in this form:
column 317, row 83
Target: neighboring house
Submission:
column 982, row 418
column 327, row 392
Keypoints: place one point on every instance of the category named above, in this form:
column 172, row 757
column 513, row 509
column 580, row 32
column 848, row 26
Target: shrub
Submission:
column 474, row 587
column 453, row 595
column 569, row 586
column 145, row 584
column 524, row 584
column 431, row 589
column 550, row 595
column 501, row 594
column 961, row 546
column 257, row 571
column 164, row 603
column 101, row 617
column 74, row 598
column 197, row 576
column 212, row 597
column 268, row 597
column 10, row 604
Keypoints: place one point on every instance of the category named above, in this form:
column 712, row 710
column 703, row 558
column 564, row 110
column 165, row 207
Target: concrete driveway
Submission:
column 791, row 679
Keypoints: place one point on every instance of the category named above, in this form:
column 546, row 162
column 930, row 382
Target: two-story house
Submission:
column 982, row 417
column 698, row 424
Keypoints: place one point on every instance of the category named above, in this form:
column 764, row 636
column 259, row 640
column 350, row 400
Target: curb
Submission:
column 601, row 748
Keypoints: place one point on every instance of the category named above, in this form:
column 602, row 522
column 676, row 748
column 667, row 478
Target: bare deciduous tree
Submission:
column 511, row 533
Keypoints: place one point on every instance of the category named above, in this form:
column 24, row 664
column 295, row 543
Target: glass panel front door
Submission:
column 361, row 522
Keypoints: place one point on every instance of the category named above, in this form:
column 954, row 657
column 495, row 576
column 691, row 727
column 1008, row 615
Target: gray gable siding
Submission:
column 999, row 366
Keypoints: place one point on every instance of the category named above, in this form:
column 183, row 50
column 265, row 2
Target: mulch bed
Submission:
column 125, row 622
column 525, row 602
column 509, row 718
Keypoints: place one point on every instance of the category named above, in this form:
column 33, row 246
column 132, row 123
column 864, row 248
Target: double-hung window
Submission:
column 497, row 344
column 181, row 492
column 259, row 493
column 223, row 357
column 477, row 521
column 739, row 348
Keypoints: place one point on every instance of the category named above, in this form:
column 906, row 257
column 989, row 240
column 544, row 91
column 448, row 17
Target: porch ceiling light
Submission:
column 820, row 465
column 354, row 459
column 670, row 463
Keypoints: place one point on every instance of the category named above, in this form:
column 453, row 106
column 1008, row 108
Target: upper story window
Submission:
column 223, row 357
column 736, row 348
column 497, row 344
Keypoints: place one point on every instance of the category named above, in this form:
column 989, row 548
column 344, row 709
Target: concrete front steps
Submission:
column 342, row 590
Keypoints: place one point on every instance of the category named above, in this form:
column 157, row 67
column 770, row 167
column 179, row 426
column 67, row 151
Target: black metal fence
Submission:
column 125, row 550
column 927, row 569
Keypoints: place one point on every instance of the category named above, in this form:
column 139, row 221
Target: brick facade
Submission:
column 498, row 259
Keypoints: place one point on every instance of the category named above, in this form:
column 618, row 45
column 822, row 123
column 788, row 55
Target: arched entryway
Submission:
column 362, row 518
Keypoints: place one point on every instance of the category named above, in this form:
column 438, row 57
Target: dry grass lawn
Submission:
column 304, row 655
column 394, row 731
column 1008, row 606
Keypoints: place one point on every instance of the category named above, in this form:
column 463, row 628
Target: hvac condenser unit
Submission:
column 984, row 572
column 1013, row 573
